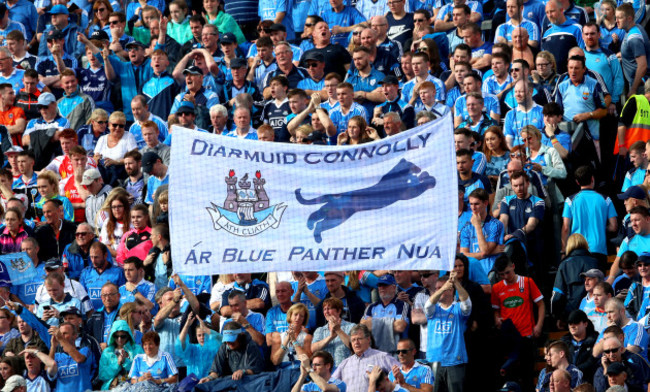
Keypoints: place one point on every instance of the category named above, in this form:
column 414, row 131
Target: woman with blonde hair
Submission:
column 95, row 128
column 288, row 346
column 358, row 132
column 545, row 71
column 569, row 288
column 47, row 184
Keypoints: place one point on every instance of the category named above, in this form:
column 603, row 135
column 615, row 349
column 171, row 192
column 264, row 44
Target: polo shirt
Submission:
column 445, row 332
column 164, row 367
column 517, row 119
column 15, row 78
column 492, row 86
column 93, row 281
column 589, row 213
column 419, row 374
column 635, row 44
column 585, row 97
column 409, row 87
column 520, row 210
column 136, row 130
column 505, row 30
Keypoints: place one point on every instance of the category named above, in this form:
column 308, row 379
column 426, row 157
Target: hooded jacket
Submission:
column 108, row 365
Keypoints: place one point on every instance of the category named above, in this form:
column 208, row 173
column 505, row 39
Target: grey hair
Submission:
column 361, row 328
column 162, row 292
column 219, row 109
column 425, row 113
column 6, row 51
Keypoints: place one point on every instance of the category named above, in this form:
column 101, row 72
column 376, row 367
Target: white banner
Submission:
column 248, row 206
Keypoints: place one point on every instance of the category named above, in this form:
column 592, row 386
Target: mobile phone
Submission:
column 47, row 307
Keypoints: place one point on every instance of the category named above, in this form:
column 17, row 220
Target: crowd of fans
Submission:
column 549, row 103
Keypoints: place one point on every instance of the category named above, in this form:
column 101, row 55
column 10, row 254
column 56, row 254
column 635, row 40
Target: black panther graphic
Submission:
column 401, row 183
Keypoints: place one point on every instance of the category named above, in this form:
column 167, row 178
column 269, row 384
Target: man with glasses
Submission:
column 315, row 63
column 283, row 57
column 353, row 371
column 472, row 83
column 76, row 255
column 446, row 320
column 9, row 74
column 119, row 39
column 320, row 373
column 614, row 353
column 379, row 24
column 100, row 272
column 410, row 372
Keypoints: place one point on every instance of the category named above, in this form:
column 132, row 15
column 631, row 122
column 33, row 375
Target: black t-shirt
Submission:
column 336, row 57
column 400, row 30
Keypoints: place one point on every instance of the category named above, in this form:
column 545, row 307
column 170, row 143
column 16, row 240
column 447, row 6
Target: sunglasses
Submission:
column 312, row 65
column 402, row 351
column 641, row 265
column 185, row 114
column 419, row 20
column 611, row 351
column 117, row 125
column 100, row 10
column 121, row 336
column 81, row 234
column 113, row 22
column 356, row 32
column 309, row 24
column 101, row 122
column 515, row 70
column 515, row 155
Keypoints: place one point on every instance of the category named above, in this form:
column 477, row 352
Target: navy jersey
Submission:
column 94, row 83
column 520, row 210
column 276, row 116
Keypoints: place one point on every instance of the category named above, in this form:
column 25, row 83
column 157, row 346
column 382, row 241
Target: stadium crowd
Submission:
column 550, row 289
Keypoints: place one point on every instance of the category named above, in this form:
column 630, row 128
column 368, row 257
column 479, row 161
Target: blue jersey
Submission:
column 365, row 83
column 606, row 35
column 645, row 302
column 163, row 368
column 407, row 89
column 605, row 62
column 419, row 374
column 492, row 231
column 396, row 309
column 340, row 120
column 490, row 106
column 585, row 97
column 445, row 333
column 67, row 303
column 635, row 44
column 589, row 213
column 136, row 130
column 269, row 10
column 311, row 84
column 27, row 291
column 520, row 210
column 534, row 10
column 347, row 17
column 299, row 13
column 152, row 184
column 505, row 30
column 276, row 320
column 370, row 8
column 73, row 376
column 559, row 39
column 251, row 135
column 313, row 387
column 160, row 90
column 634, row 176
column 15, row 79
column 517, row 119
column 638, row 244
column 93, row 282
column 25, row 13
column 492, row 86
column 317, row 288
column 146, row 288
column 197, row 284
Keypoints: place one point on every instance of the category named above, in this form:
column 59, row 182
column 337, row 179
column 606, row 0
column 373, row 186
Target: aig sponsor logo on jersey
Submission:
column 443, row 327
column 95, row 293
column 69, row 371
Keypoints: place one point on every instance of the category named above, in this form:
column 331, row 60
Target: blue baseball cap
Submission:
column 185, row 107
column 387, row 279
column 633, row 192
column 59, row 9
column 230, row 335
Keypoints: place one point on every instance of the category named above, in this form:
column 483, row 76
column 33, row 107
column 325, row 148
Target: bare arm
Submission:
column 641, row 68
column 167, row 309
column 17, row 128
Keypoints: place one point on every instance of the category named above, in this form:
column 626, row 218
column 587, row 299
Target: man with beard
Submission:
column 134, row 183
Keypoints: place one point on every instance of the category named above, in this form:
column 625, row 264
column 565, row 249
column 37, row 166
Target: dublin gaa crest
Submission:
column 246, row 211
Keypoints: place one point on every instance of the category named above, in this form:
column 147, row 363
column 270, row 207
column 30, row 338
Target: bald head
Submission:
column 515, row 165
column 576, row 51
column 379, row 23
column 611, row 343
column 561, row 375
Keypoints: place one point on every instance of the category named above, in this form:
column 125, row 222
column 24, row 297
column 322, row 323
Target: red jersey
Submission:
column 515, row 302
column 9, row 118
column 70, row 191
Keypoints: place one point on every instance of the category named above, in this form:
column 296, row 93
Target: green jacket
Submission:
column 180, row 31
column 108, row 365
column 227, row 24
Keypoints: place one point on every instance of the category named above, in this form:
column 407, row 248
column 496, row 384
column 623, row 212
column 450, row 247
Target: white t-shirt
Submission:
column 126, row 144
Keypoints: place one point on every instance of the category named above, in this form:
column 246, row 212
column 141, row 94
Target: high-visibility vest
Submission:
column 640, row 127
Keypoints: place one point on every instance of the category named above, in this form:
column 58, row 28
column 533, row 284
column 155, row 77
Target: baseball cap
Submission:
column 45, row 99
column 228, row 38
column 633, row 192
column 185, row 107
column 100, row 35
column 230, row 335
column 510, row 386
column 390, row 79
column 14, row 150
column 148, row 160
column 72, row 310
column 387, row 279
column 14, row 382
column 314, row 55
column 616, row 368
column 192, row 69
column 238, row 62
column 277, row 27
column 53, row 263
column 593, row 273
column 59, row 9
column 135, row 43
column 89, row 176
column 643, row 258
column 55, row 34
